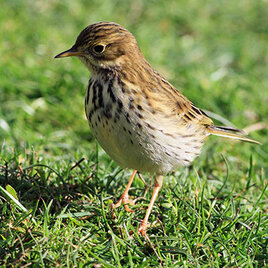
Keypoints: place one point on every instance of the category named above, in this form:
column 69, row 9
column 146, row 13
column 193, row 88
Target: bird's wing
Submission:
column 190, row 114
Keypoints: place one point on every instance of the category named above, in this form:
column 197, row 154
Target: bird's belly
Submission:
column 134, row 145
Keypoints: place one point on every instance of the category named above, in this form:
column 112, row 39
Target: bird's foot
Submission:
column 125, row 200
column 142, row 228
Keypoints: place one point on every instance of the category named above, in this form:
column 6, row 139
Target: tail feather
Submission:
column 230, row 132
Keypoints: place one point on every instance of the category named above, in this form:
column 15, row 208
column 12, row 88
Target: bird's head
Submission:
column 104, row 45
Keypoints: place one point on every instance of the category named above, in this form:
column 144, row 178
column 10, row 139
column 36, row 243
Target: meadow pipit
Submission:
column 136, row 115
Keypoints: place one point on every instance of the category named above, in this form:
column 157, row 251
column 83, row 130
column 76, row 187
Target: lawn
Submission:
column 56, row 183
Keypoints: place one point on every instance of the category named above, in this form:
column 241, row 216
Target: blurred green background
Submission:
column 215, row 52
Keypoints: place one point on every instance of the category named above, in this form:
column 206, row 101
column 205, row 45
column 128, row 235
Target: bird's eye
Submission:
column 98, row 49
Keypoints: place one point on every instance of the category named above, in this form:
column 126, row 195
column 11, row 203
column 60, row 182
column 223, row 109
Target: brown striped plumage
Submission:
column 137, row 116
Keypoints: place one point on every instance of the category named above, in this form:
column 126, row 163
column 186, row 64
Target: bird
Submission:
column 142, row 121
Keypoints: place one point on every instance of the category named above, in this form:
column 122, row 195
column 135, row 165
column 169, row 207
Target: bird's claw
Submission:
column 125, row 200
column 142, row 228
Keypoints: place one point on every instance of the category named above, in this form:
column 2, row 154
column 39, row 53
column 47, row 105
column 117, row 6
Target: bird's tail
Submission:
column 230, row 132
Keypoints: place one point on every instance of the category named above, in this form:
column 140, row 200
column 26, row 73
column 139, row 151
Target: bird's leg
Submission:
column 124, row 196
column 157, row 186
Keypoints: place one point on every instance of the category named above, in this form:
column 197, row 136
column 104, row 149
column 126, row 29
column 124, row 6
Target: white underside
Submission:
column 151, row 150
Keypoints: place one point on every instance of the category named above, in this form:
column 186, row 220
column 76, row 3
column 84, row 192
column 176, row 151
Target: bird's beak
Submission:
column 68, row 53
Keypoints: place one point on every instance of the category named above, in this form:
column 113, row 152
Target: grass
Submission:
column 57, row 184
